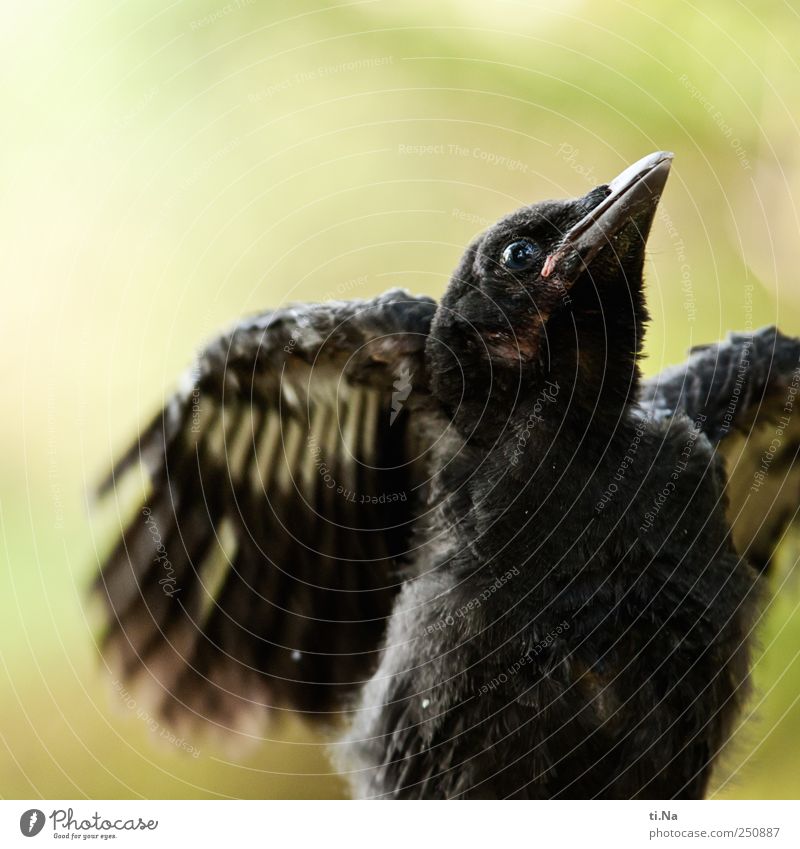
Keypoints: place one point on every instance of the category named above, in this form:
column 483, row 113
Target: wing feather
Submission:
column 258, row 574
column 742, row 393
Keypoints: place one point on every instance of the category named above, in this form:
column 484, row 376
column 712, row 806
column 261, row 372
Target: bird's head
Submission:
column 551, row 294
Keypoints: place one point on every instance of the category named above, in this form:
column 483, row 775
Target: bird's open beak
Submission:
column 633, row 195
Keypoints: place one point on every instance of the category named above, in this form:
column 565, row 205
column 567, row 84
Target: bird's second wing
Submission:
column 281, row 483
column 743, row 393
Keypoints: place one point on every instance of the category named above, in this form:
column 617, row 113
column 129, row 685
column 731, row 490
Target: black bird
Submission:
column 469, row 533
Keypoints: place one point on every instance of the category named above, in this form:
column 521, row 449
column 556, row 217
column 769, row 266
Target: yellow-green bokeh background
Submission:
column 169, row 166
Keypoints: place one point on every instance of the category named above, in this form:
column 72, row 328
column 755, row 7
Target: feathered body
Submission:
column 468, row 531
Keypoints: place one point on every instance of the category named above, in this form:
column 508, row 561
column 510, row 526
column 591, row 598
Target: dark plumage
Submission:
column 470, row 530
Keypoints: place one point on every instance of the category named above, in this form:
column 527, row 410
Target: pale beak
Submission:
column 632, row 196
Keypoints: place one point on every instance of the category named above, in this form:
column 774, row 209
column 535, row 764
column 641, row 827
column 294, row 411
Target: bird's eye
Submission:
column 520, row 255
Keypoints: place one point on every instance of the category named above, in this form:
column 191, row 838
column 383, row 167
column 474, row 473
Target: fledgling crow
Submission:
column 469, row 530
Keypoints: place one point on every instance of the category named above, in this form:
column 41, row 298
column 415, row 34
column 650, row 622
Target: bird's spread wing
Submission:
column 281, row 485
column 744, row 394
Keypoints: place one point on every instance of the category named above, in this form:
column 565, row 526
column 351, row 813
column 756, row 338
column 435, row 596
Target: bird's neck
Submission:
column 577, row 401
column 571, row 421
column 593, row 349
column 574, row 398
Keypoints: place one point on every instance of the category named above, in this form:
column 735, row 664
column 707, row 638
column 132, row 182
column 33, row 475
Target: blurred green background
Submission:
column 170, row 166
